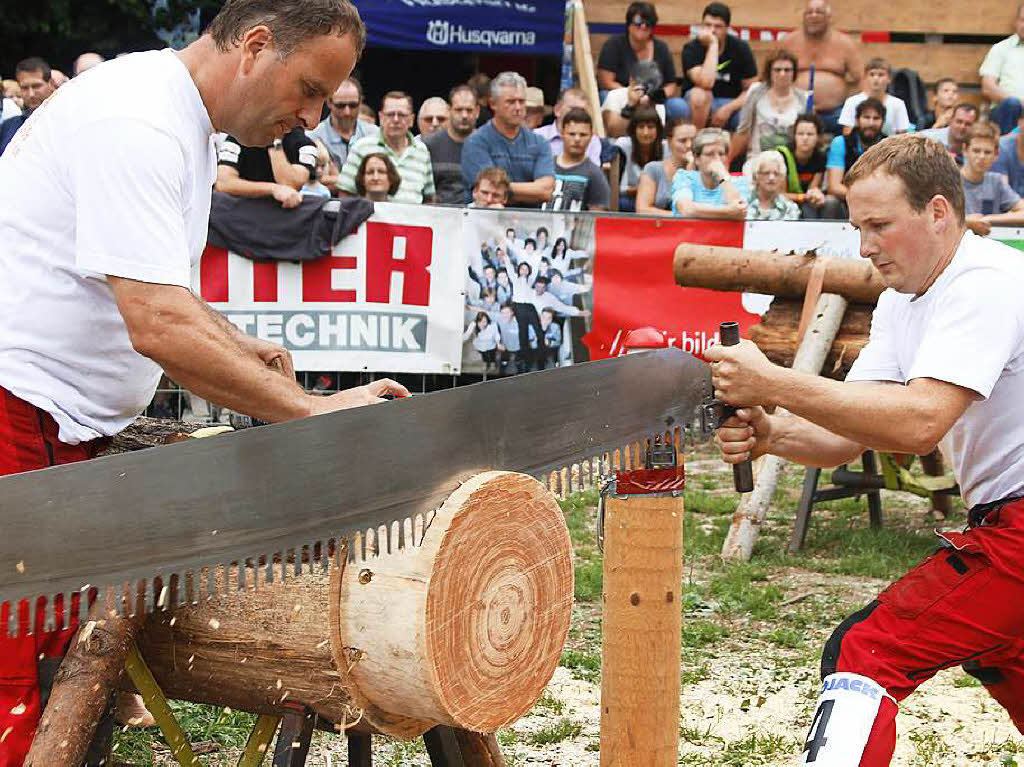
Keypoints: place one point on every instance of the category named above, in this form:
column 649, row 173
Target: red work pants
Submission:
column 28, row 440
column 963, row 606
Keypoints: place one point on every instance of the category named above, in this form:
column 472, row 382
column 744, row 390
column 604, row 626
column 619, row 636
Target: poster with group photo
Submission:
column 528, row 289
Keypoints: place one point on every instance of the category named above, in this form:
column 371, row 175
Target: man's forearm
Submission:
column 285, row 172
column 797, row 439
column 532, row 191
column 238, row 187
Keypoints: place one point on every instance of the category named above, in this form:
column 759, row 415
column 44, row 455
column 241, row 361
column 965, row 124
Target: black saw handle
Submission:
column 742, row 473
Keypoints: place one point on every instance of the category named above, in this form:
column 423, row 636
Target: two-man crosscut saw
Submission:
column 134, row 521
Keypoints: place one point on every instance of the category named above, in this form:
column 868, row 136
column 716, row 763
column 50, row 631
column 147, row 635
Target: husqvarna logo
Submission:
column 437, row 32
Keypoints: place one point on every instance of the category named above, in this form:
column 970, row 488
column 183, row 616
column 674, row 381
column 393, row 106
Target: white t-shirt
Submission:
column 112, row 175
column 968, row 330
column 617, row 99
column 896, row 118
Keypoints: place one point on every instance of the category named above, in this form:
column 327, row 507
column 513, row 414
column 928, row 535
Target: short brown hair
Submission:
column 922, row 164
column 985, row 130
column 396, row 95
column 778, row 55
column 878, row 63
column 291, row 22
column 394, row 180
column 496, row 176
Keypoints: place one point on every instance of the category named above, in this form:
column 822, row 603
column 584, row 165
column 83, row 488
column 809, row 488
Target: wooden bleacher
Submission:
column 931, row 21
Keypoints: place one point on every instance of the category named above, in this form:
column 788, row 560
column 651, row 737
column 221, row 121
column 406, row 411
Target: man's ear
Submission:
column 942, row 214
column 253, row 42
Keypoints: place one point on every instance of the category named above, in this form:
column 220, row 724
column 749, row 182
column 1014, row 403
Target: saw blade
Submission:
column 283, row 492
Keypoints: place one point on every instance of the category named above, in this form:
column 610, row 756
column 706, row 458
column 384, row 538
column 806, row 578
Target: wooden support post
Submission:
column 642, row 621
column 360, row 749
column 452, row 747
column 753, row 507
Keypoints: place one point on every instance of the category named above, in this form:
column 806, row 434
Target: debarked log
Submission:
column 464, row 628
column 776, row 334
column 778, row 274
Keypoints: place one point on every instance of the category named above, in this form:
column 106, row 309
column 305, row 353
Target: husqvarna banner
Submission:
column 529, row 27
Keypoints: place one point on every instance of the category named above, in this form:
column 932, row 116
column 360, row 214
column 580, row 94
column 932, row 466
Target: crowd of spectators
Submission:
column 684, row 138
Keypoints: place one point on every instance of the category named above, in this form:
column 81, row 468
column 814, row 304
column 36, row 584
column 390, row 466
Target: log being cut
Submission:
column 464, row 629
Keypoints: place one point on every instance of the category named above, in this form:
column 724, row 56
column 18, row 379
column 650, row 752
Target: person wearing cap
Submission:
column 536, row 110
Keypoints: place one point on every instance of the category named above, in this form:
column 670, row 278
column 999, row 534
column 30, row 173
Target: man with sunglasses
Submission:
column 342, row 128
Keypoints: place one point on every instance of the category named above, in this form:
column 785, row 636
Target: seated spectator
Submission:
column 988, row 199
column 709, row 191
column 833, row 55
column 571, row 98
column 767, row 118
column 1002, row 76
column 954, row 135
column 278, row 171
column 643, row 144
column 367, row 115
column 620, row 104
column 377, row 178
column 342, row 127
column 620, row 53
column 34, row 77
column 491, row 188
column 485, row 337
column 536, row 109
column 86, row 62
column 481, row 85
column 408, row 154
column 767, row 200
column 719, row 68
column 432, row 117
column 877, row 74
column 844, row 150
column 1011, row 158
column 506, row 143
column 445, row 146
column 321, row 182
column 654, row 190
column 947, row 93
column 579, row 183
column 805, row 170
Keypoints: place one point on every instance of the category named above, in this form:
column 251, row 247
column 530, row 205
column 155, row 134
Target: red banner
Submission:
column 634, row 286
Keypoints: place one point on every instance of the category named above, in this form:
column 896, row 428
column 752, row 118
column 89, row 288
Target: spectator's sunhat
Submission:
column 535, row 99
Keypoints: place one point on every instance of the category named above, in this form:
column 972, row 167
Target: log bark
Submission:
column 82, row 687
column 753, row 507
column 778, row 274
column 775, row 335
column 464, row 629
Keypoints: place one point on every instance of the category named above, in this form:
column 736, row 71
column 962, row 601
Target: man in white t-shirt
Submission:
column 877, row 75
column 944, row 366
column 104, row 205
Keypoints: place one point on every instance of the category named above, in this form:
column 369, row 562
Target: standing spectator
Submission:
column 805, row 170
column 719, row 69
column 506, row 143
column 654, row 191
column 342, row 128
column 845, row 150
column 571, row 98
column 408, row 154
column 768, row 201
column 877, row 75
column 481, row 85
column 432, row 117
column 947, row 92
column 1011, row 158
column 835, row 57
column 85, row 62
column 709, row 191
column 1002, row 76
column 491, row 189
column 642, row 145
column 954, row 135
column 988, row 198
column 377, row 178
column 485, row 338
column 35, row 79
column 767, row 118
column 619, row 105
column 579, row 183
column 277, row 171
column 445, row 146
column 620, row 54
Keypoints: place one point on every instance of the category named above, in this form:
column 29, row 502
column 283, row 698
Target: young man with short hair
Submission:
column 579, row 183
column 35, row 78
column 947, row 93
column 988, row 198
column 491, row 188
column 877, row 75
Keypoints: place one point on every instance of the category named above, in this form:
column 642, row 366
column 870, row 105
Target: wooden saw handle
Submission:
column 742, row 473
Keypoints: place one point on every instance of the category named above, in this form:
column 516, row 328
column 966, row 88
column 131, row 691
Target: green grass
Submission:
column 561, row 730
column 201, row 723
column 551, row 703
column 702, row 633
column 586, row 666
column 589, row 580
